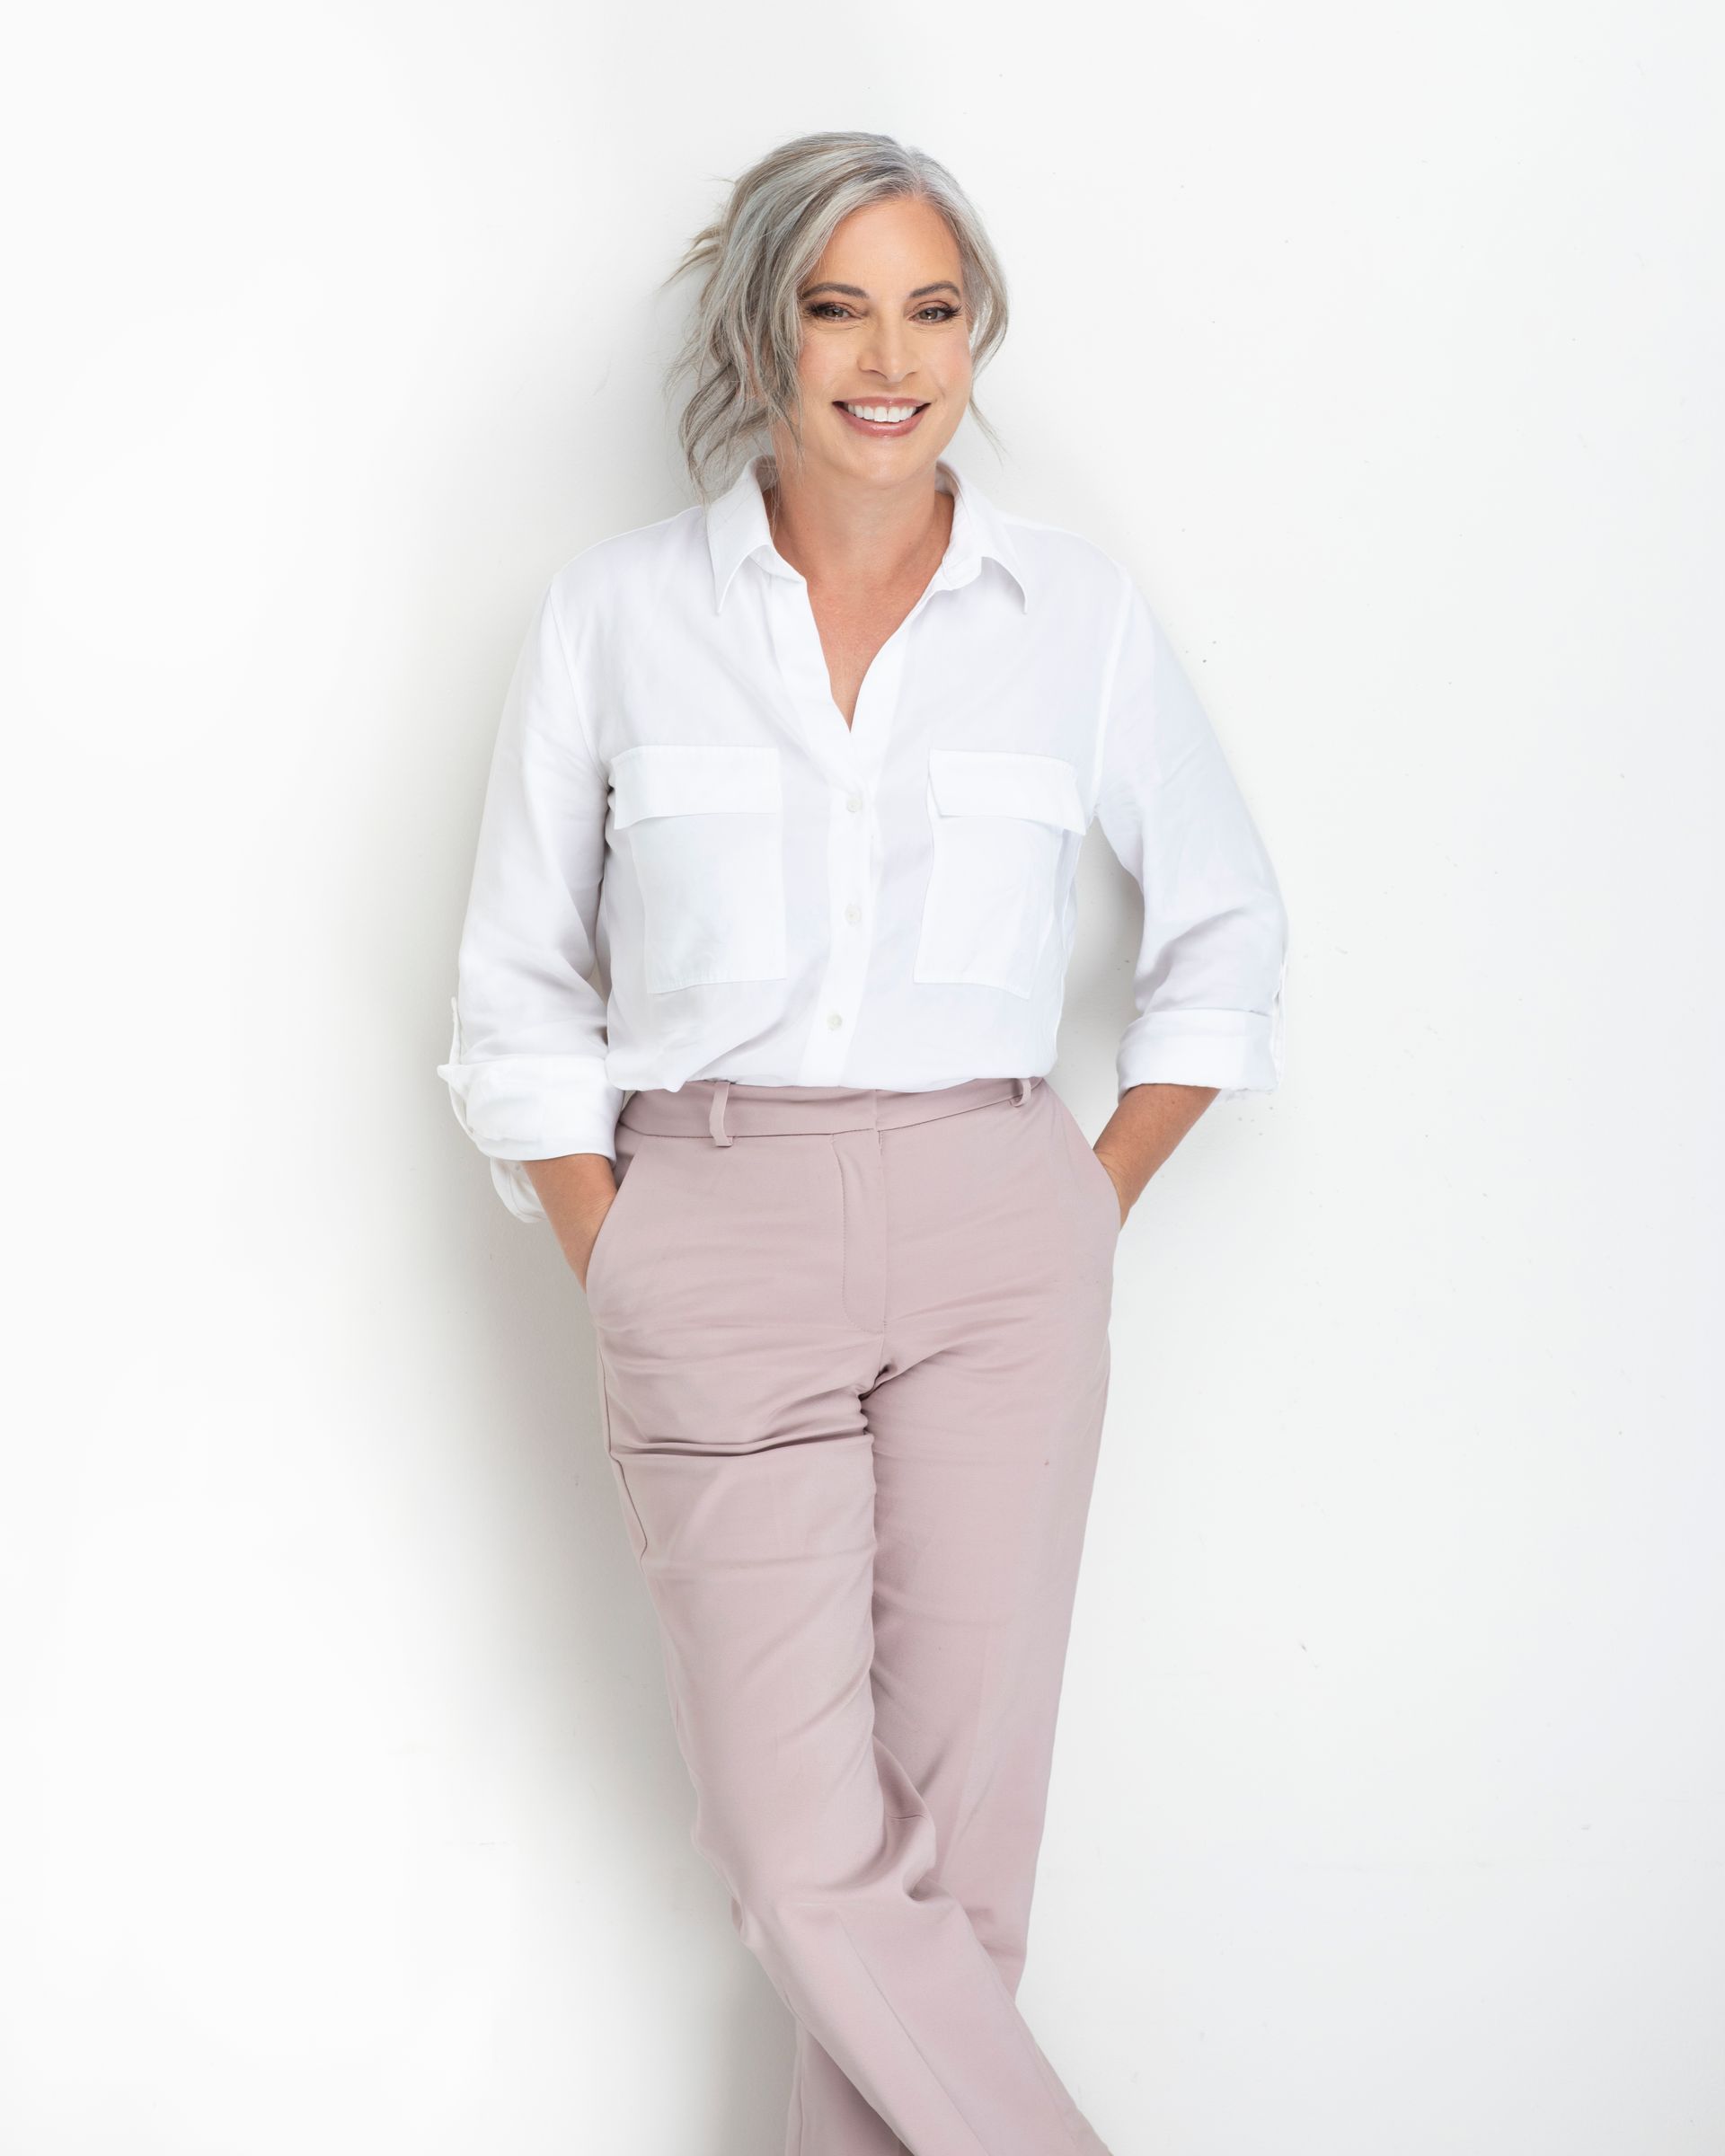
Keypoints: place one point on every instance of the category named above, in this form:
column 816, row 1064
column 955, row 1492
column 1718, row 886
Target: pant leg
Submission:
column 986, row 1424
column 740, row 1299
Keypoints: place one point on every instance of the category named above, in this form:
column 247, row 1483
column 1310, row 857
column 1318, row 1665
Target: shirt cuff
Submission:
column 1235, row 1051
column 512, row 1182
column 533, row 1107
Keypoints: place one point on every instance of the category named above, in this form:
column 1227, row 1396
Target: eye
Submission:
column 828, row 310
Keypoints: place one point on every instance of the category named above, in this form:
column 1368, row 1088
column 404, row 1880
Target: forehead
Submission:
column 897, row 241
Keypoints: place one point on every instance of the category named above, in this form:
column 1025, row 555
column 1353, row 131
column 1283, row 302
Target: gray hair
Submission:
column 772, row 230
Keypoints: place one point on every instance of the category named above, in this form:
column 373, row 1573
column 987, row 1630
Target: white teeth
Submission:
column 884, row 413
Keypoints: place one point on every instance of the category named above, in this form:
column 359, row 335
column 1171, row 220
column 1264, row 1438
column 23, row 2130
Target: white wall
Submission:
column 341, row 1806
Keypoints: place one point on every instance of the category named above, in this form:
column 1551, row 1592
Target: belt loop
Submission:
column 716, row 1119
column 1022, row 1091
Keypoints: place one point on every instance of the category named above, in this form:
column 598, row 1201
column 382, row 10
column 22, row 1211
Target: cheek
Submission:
column 818, row 371
column 950, row 368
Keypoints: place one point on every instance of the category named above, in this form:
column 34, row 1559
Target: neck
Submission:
column 851, row 534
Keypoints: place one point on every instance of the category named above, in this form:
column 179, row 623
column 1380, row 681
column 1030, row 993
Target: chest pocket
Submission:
column 704, row 828
column 1001, row 822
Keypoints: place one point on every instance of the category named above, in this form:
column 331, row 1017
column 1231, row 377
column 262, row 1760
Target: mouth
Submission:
column 885, row 416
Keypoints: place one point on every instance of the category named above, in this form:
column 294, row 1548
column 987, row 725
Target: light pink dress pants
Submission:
column 853, row 1356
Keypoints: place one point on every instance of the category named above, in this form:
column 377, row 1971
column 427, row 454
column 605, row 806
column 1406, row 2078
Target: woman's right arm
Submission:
column 576, row 1192
column 526, row 1061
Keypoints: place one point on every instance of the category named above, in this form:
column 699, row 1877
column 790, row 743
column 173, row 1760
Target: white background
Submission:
column 342, row 1804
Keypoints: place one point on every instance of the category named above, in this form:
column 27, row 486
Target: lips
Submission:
column 882, row 427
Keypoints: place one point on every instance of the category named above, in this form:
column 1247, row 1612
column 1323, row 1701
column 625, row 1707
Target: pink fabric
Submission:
column 853, row 1358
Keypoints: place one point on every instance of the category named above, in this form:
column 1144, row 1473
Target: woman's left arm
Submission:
column 1209, row 977
column 1145, row 1128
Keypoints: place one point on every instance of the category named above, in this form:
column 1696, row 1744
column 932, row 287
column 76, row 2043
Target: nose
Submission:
column 886, row 354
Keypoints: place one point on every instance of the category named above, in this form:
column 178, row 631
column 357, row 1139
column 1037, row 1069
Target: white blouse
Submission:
column 676, row 807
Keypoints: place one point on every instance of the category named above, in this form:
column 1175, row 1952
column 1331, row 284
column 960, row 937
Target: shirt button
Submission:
column 834, row 1017
column 853, row 801
column 852, row 911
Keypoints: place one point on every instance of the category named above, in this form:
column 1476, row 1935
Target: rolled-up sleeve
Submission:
column 1210, row 975
column 527, row 1072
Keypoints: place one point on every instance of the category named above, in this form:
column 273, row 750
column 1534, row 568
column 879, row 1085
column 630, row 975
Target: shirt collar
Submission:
column 738, row 531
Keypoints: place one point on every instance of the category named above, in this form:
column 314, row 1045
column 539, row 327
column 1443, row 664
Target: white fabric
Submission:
column 678, row 812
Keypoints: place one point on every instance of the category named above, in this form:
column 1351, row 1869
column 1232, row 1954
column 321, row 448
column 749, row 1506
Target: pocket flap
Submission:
column 693, row 779
column 997, row 782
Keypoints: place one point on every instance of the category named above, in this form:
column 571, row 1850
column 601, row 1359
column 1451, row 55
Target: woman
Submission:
column 801, row 774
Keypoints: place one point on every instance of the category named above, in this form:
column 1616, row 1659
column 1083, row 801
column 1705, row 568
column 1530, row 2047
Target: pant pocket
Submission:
column 1108, row 1189
column 625, row 1172
column 1089, row 1168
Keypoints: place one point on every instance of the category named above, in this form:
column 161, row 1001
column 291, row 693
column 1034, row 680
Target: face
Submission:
column 884, row 328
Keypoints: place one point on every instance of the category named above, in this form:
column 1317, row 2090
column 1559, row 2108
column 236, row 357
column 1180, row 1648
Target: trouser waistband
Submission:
column 718, row 1108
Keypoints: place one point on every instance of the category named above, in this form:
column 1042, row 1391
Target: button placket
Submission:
column 849, row 843
column 852, row 762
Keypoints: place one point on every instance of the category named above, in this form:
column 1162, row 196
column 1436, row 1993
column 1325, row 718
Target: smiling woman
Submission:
column 883, row 374
column 820, row 241
column 758, row 992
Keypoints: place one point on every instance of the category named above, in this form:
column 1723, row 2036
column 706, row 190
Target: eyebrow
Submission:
column 856, row 291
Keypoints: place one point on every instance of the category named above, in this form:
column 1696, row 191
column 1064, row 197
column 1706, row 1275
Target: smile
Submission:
column 893, row 416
